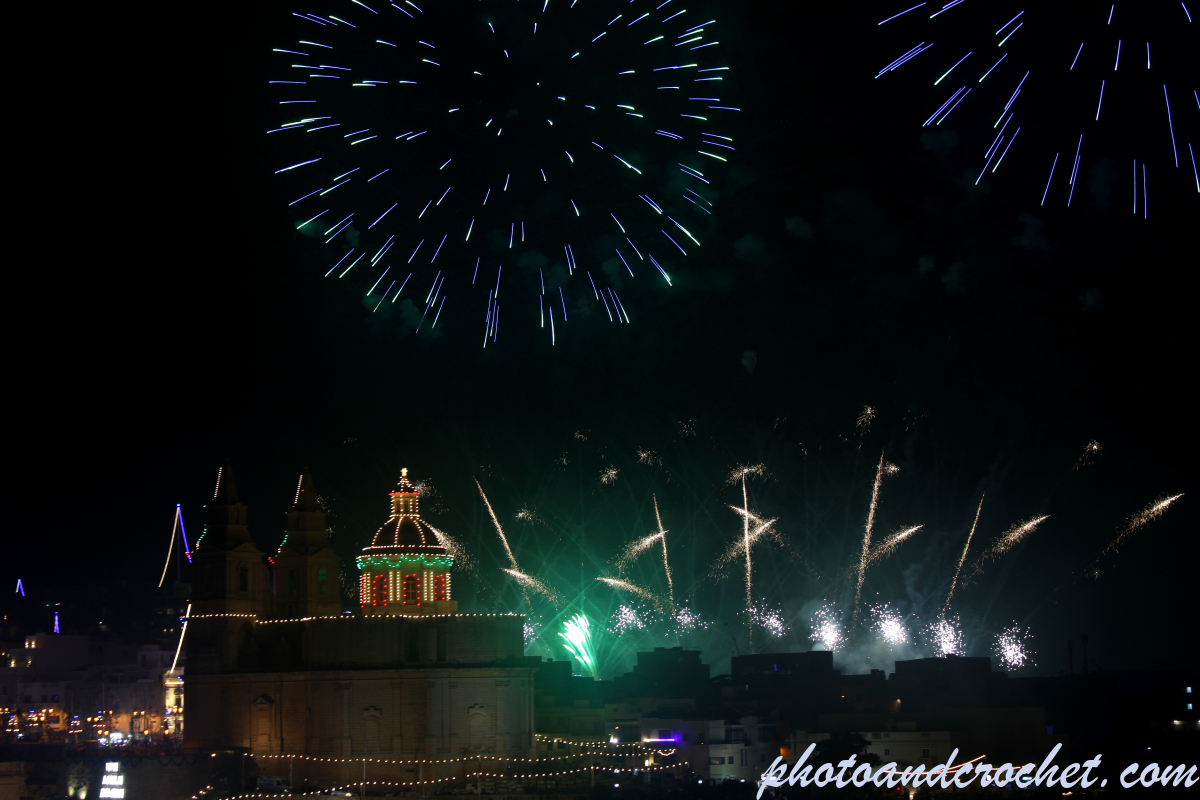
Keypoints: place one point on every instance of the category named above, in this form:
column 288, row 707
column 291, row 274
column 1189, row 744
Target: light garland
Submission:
column 332, row 760
column 541, row 737
column 464, row 779
column 343, row 617
column 392, row 561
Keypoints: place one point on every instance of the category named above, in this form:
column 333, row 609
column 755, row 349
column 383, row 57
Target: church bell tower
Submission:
column 227, row 573
column 307, row 572
column 405, row 571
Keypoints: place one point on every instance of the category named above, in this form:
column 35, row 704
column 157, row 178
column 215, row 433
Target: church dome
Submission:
column 404, row 533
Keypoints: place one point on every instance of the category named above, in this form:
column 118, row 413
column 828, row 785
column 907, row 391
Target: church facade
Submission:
column 276, row 667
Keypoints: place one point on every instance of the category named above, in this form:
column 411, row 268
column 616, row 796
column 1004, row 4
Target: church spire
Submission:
column 226, row 489
column 307, row 572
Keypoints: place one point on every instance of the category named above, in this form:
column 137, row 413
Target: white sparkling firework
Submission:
column 625, row 620
column 608, row 476
column 1011, row 648
column 532, row 631
column 946, row 637
column 769, row 619
column 827, row 630
column 889, row 624
column 687, row 621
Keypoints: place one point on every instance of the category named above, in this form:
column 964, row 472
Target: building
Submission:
column 275, row 666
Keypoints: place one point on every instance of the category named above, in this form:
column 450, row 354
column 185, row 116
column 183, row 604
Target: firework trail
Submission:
column 740, row 473
column 512, row 560
column 662, row 533
column 889, row 545
column 1009, row 60
column 1091, row 451
column 635, row 549
column 962, row 559
column 826, row 626
column 438, row 136
column 889, row 624
column 626, row 586
column 1007, row 541
column 946, row 636
column 462, row 557
column 530, row 582
column 864, row 560
column 1136, row 523
column 577, row 635
column 1011, row 649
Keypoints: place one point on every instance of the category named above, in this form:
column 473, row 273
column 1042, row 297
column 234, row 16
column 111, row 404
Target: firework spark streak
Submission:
column 662, row 534
column 626, row 586
column 1011, row 649
column 1137, row 522
column 635, row 549
column 740, row 473
column 962, row 559
column 865, row 560
column 533, row 583
column 489, row 127
column 462, row 557
column 1007, row 541
column 889, row 545
column 512, row 560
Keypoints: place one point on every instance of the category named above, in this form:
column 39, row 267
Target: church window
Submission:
column 440, row 587
column 322, row 582
column 379, row 590
column 243, row 578
column 291, row 583
column 412, row 589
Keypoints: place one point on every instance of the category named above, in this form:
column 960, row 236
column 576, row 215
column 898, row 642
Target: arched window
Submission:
column 243, row 578
column 412, row 590
column 322, row 582
column 440, row 588
column 379, row 590
column 291, row 583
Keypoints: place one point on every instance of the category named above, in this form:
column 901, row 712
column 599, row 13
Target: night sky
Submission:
column 180, row 320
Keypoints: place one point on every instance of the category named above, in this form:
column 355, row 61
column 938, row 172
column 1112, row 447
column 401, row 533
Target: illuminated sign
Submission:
column 113, row 782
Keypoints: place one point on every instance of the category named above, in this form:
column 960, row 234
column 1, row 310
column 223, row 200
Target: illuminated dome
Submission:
column 405, row 570
column 404, row 532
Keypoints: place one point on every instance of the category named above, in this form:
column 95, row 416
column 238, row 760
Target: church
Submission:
column 275, row 666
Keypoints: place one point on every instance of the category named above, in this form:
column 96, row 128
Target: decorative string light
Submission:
column 465, row 779
column 333, row 760
column 342, row 617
